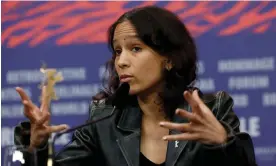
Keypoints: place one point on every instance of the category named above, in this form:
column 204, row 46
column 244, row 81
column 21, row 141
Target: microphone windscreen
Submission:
column 121, row 94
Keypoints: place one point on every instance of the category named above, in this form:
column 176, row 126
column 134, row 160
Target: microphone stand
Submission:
column 50, row 149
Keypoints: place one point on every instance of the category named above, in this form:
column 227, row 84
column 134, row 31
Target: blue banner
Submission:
column 236, row 45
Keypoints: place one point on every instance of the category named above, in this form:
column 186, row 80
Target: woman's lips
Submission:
column 125, row 78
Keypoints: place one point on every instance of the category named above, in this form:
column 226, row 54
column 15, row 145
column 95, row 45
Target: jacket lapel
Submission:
column 130, row 147
column 129, row 144
column 176, row 147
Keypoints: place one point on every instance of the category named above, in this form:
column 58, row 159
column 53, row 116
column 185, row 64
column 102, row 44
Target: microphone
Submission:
column 118, row 99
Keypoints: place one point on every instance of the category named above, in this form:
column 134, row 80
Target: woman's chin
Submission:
column 133, row 91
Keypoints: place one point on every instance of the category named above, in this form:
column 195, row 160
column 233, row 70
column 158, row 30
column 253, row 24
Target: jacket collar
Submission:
column 130, row 119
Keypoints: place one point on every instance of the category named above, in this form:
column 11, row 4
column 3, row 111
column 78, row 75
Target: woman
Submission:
column 163, row 120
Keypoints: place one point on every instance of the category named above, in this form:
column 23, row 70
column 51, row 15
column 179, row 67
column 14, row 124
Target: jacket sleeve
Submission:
column 82, row 147
column 238, row 150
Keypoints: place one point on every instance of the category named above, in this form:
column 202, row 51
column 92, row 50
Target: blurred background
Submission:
column 236, row 46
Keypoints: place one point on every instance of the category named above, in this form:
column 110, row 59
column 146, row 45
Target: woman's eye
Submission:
column 118, row 52
column 136, row 49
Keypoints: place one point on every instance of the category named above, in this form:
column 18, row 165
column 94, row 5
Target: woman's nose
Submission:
column 123, row 61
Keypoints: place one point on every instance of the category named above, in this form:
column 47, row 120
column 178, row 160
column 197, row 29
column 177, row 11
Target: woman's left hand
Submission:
column 203, row 126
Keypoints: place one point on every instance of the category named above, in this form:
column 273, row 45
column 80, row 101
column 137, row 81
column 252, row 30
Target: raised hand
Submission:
column 39, row 118
column 203, row 126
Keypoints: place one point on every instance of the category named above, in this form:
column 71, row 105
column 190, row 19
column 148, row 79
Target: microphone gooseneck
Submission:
column 118, row 99
column 83, row 125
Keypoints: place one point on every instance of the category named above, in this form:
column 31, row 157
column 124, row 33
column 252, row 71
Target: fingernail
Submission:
column 66, row 127
column 162, row 123
column 164, row 138
column 64, row 130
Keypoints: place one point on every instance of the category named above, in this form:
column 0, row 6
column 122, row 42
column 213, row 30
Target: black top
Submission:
column 146, row 162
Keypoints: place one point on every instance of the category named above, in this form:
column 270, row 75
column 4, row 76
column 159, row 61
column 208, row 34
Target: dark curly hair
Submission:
column 165, row 33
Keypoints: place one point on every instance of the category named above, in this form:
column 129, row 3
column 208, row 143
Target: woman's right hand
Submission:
column 39, row 119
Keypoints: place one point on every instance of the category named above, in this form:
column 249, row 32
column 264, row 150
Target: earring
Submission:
column 168, row 67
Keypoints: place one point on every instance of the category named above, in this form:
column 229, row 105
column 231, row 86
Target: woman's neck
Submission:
column 152, row 106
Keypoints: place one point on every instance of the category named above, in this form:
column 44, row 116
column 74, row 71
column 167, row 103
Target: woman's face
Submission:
column 135, row 62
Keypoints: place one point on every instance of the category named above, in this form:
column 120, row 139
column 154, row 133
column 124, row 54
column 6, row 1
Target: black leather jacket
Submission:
column 115, row 141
